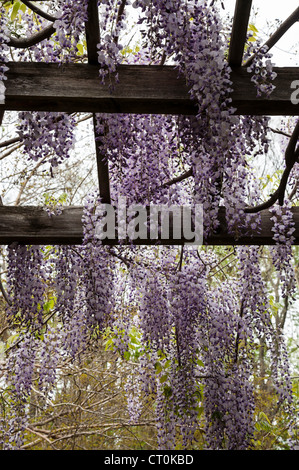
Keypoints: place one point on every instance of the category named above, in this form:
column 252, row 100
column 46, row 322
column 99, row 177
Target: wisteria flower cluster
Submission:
column 262, row 72
column 48, row 136
column 112, row 16
column 3, row 53
column 70, row 26
column 283, row 230
column 26, row 299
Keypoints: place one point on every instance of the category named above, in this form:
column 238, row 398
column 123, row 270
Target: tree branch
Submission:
column 4, row 293
column 291, row 157
column 119, row 16
column 38, row 11
column 17, row 201
column 178, row 179
column 14, row 140
column 10, row 151
column 23, row 43
column 284, row 27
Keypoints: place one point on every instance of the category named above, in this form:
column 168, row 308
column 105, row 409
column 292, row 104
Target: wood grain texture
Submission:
column 239, row 32
column 32, row 225
column 140, row 89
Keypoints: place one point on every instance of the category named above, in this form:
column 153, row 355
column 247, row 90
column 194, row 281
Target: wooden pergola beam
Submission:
column 32, row 225
column 92, row 29
column 92, row 32
column 239, row 32
column 140, row 89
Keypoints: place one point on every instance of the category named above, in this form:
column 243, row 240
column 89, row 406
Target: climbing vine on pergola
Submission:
column 173, row 124
column 149, row 89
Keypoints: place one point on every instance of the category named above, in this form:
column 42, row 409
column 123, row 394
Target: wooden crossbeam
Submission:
column 140, row 89
column 32, row 225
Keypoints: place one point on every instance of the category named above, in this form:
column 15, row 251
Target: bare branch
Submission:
column 284, row 27
column 17, row 201
column 180, row 178
column 38, row 11
column 10, row 151
column 23, row 43
column 14, row 140
column 291, row 157
column 277, row 131
column 4, row 293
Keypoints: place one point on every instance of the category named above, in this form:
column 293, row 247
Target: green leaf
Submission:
column 251, row 27
column 127, row 355
column 80, row 49
column 263, row 416
column 200, row 411
column 49, row 305
column 163, row 378
column 15, row 10
column 134, row 340
column 167, row 391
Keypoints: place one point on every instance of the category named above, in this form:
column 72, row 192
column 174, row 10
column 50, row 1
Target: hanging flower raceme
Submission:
column 155, row 321
column 187, row 298
column 112, row 14
column 97, row 275
column 281, row 252
column 67, row 268
column 228, row 393
column 70, row 305
column 138, row 149
column 261, row 69
column 26, row 281
column 256, row 319
column 19, row 378
column 170, row 313
column 3, row 52
column 69, row 27
column 46, row 136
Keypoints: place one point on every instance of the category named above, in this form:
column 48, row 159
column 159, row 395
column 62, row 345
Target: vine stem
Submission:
column 291, row 158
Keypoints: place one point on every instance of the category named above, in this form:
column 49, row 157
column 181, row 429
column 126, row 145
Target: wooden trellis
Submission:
column 141, row 89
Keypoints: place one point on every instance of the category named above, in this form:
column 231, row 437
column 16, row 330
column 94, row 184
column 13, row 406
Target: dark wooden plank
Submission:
column 141, row 89
column 77, row 87
column 239, row 32
column 92, row 30
column 278, row 104
column 103, row 168
column 32, row 225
